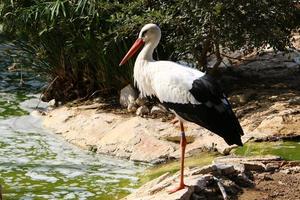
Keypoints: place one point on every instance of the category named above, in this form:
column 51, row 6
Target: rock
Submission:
column 273, row 97
column 230, row 187
column 158, row 189
column 295, row 169
column 239, row 167
column 199, row 182
column 127, row 96
column 143, row 110
column 265, row 177
column 52, row 103
column 156, row 110
column 294, row 101
column 254, row 166
column 242, row 160
column 141, row 101
column 225, row 169
column 131, row 107
column 204, row 170
column 291, row 170
column 250, row 164
column 280, row 119
column 243, row 180
column 272, row 166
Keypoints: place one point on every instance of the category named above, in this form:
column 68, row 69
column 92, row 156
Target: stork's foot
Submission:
column 180, row 187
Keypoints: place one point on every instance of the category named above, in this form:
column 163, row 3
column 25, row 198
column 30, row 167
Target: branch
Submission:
column 49, row 86
column 218, row 55
column 222, row 189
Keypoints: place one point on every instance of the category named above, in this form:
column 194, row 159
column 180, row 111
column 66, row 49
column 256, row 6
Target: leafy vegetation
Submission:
column 78, row 44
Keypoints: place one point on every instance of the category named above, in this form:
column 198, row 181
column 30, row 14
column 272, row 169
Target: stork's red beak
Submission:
column 138, row 43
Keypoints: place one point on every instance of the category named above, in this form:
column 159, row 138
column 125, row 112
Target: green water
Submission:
column 288, row 150
column 36, row 164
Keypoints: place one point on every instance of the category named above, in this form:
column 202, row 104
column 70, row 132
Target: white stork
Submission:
column 192, row 95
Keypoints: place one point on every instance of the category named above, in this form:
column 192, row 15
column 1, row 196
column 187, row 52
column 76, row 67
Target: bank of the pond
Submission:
column 151, row 140
column 131, row 137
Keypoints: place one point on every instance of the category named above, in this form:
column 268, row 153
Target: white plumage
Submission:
column 168, row 81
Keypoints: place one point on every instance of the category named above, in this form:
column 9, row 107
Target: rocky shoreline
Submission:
column 227, row 178
column 151, row 140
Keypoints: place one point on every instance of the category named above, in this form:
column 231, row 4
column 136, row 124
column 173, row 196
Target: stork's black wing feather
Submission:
column 214, row 111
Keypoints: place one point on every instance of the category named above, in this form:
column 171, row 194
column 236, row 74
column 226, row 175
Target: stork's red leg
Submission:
column 182, row 145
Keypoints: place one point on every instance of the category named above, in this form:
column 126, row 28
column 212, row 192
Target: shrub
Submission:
column 80, row 43
column 69, row 41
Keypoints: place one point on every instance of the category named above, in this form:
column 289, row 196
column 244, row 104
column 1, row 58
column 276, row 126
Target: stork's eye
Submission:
column 144, row 32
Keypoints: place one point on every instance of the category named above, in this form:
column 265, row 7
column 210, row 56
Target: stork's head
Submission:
column 149, row 35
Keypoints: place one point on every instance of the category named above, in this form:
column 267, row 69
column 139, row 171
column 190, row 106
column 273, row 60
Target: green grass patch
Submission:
column 199, row 160
column 288, row 150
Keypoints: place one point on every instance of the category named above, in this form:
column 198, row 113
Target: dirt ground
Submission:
column 277, row 186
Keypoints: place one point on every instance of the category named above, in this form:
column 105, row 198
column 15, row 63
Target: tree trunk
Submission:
column 202, row 58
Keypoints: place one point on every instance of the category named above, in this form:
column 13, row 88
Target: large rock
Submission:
column 280, row 119
column 159, row 188
column 134, row 138
column 127, row 96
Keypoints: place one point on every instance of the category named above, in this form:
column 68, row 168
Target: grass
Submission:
column 288, row 150
column 199, row 160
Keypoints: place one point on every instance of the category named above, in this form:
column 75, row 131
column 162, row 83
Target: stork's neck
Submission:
column 146, row 53
column 141, row 70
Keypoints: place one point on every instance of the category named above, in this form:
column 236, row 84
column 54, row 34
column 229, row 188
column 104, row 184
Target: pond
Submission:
column 36, row 164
